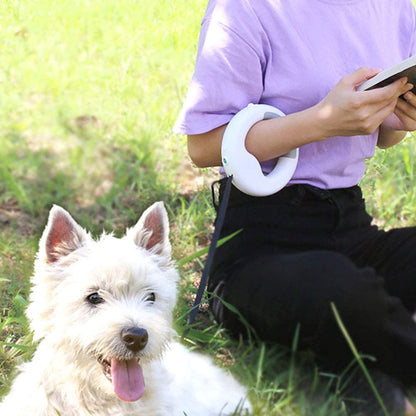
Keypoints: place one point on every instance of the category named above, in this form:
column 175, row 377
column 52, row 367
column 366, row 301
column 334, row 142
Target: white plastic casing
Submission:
column 245, row 168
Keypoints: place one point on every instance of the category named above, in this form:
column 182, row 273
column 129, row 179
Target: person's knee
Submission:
column 276, row 292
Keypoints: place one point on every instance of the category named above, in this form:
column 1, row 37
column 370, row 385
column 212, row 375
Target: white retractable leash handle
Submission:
column 243, row 166
column 244, row 171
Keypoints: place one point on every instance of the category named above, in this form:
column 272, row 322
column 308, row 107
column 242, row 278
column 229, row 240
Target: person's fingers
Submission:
column 385, row 94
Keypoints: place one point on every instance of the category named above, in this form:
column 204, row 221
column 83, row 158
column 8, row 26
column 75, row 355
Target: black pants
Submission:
column 303, row 248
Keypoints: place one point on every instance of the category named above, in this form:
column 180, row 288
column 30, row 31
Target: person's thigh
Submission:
column 276, row 294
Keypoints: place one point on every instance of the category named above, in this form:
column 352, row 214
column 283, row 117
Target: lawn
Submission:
column 90, row 91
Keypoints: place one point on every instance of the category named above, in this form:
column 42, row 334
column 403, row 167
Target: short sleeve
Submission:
column 228, row 72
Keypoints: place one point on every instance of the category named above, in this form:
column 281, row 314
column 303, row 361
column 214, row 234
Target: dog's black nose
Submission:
column 135, row 339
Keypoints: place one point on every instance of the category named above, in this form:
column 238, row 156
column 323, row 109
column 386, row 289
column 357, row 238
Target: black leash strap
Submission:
column 215, row 237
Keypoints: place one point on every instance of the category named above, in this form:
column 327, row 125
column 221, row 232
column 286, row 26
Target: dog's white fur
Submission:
column 135, row 283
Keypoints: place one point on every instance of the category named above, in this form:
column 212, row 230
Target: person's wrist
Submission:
column 317, row 123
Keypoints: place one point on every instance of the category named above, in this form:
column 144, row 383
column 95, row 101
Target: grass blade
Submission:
column 358, row 357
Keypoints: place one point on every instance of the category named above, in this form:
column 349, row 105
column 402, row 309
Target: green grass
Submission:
column 90, row 91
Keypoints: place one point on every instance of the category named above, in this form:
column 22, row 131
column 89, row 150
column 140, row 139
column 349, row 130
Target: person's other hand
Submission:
column 404, row 116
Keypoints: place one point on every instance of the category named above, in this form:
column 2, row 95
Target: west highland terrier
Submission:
column 102, row 311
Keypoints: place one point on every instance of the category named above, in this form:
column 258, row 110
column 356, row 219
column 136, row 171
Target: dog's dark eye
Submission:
column 95, row 299
column 151, row 297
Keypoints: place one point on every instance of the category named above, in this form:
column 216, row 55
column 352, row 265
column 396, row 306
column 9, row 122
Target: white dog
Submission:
column 102, row 311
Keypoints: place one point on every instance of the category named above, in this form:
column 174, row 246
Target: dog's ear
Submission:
column 152, row 231
column 62, row 235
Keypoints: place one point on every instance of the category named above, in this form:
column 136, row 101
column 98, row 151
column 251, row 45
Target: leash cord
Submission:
column 215, row 237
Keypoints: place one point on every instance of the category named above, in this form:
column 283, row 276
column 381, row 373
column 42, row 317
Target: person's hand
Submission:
column 348, row 112
column 404, row 116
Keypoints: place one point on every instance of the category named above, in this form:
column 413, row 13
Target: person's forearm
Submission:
column 266, row 140
column 272, row 138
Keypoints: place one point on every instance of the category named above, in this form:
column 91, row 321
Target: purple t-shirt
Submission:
column 290, row 54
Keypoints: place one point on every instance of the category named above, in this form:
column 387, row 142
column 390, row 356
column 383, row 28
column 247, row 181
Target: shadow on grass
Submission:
column 104, row 182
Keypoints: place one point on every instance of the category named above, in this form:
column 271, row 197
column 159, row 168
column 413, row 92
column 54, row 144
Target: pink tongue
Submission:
column 128, row 379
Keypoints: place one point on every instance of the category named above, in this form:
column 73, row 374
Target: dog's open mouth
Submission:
column 126, row 377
